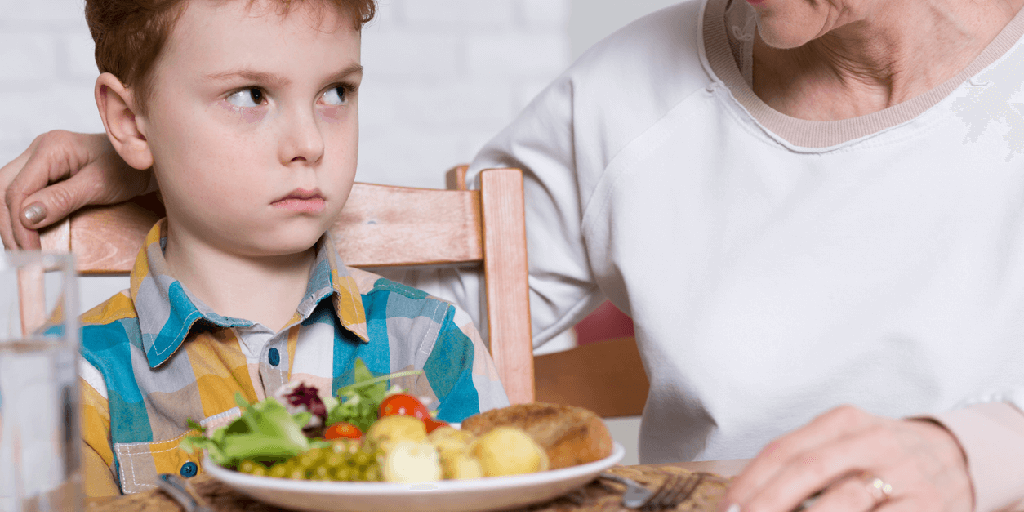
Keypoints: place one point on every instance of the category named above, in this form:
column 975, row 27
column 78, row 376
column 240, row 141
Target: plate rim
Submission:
column 482, row 484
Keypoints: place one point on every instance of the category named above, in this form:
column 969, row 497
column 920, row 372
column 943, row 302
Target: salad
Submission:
column 304, row 435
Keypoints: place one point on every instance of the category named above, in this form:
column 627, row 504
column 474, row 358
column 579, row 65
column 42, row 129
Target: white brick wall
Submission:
column 442, row 76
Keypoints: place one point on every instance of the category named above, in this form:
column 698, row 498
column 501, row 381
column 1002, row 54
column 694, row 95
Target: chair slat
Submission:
column 380, row 226
column 390, row 226
column 505, row 276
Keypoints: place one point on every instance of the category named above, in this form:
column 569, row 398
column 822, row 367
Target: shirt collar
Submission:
column 167, row 311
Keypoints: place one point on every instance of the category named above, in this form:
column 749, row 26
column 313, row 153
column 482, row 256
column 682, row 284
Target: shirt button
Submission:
column 189, row 469
column 275, row 357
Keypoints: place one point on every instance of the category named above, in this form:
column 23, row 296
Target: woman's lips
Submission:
column 301, row 200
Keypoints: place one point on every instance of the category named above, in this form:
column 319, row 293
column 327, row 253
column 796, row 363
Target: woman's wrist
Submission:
column 991, row 436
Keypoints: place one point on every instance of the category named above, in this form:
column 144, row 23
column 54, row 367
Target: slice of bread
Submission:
column 570, row 435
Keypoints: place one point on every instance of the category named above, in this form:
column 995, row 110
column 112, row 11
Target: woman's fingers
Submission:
column 60, row 173
column 843, row 452
column 797, row 450
column 8, row 218
column 821, row 467
column 851, row 493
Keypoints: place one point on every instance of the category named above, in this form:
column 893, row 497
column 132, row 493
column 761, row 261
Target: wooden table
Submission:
column 598, row 495
column 726, row 468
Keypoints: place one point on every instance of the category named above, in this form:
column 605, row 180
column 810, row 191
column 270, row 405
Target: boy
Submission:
column 246, row 110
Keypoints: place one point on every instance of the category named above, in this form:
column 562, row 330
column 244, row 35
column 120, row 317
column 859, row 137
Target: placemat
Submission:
column 598, row 495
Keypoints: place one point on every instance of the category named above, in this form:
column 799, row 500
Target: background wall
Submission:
column 442, row 77
column 592, row 20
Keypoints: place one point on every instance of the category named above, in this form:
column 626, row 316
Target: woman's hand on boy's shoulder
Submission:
column 59, row 173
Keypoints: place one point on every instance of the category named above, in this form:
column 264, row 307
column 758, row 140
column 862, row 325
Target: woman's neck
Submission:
column 893, row 53
column 264, row 289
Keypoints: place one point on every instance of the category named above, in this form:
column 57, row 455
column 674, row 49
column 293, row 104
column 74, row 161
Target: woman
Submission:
column 802, row 204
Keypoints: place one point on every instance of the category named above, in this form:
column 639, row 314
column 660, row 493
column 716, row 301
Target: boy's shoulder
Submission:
column 369, row 283
column 384, row 298
column 113, row 321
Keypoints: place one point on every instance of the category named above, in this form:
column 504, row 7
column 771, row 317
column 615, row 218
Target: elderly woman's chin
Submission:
column 783, row 36
column 790, row 28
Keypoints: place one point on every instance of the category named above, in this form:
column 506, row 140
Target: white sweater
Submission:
column 776, row 268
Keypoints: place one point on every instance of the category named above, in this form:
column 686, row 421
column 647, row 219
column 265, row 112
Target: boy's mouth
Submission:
column 301, row 200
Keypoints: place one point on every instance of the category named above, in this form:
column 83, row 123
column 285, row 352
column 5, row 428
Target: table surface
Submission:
column 727, row 468
column 598, row 495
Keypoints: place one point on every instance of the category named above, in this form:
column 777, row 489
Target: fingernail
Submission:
column 34, row 212
column 733, row 508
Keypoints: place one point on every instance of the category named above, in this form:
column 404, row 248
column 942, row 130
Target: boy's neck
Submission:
column 266, row 290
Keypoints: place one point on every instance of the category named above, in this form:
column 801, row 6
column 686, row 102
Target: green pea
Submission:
column 362, row 458
column 278, row 470
column 320, row 472
column 247, row 466
column 343, row 474
column 307, row 458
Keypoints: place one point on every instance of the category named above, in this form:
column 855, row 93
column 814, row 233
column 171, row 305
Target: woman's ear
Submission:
column 126, row 131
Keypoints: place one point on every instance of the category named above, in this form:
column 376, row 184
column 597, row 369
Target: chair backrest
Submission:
column 606, row 376
column 382, row 226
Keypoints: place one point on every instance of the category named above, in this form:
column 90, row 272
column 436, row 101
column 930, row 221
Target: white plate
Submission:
column 449, row 495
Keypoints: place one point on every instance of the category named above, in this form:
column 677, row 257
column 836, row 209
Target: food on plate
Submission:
column 369, row 432
column 342, row 461
column 412, row 462
column 342, row 430
column 461, row 466
column 569, row 435
column 390, row 430
column 453, row 448
column 507, row 451
column 402, row 404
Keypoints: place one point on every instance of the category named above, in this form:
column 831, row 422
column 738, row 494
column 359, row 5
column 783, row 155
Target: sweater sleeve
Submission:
column 540, row 142
column 992, row 437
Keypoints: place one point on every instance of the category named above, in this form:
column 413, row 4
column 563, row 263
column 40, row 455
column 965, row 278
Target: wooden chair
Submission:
column 382, row 226
column 606, row 376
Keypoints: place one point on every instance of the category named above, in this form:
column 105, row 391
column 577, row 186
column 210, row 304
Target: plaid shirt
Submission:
column 155, row 356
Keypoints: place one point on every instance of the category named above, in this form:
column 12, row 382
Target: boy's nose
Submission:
column 302, row 140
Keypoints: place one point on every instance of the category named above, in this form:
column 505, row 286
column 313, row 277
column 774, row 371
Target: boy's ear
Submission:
column 126, row 131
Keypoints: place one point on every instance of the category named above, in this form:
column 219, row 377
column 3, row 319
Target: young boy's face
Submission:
column 252, row 124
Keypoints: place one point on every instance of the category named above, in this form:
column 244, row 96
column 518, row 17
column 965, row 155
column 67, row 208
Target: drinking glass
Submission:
column 40, row 457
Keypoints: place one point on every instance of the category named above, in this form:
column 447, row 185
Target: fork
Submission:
column 673, row 491
column 174, row 486
column 635, row 495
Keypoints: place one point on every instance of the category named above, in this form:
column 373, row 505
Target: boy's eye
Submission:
column 250, row 97
column 336, row 96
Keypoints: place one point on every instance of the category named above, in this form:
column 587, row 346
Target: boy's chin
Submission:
column 286, row 244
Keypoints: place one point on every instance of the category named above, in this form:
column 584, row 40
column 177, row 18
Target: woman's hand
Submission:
column 59, row 173
column 846, row 450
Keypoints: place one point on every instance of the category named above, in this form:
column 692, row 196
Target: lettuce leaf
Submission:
column 268, row 433
column 265, row 432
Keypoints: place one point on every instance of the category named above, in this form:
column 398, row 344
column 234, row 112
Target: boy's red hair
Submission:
column 130, row 34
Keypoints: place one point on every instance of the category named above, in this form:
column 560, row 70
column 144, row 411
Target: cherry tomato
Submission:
column 342, row 430
column 431, row 424
column 401, row 404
